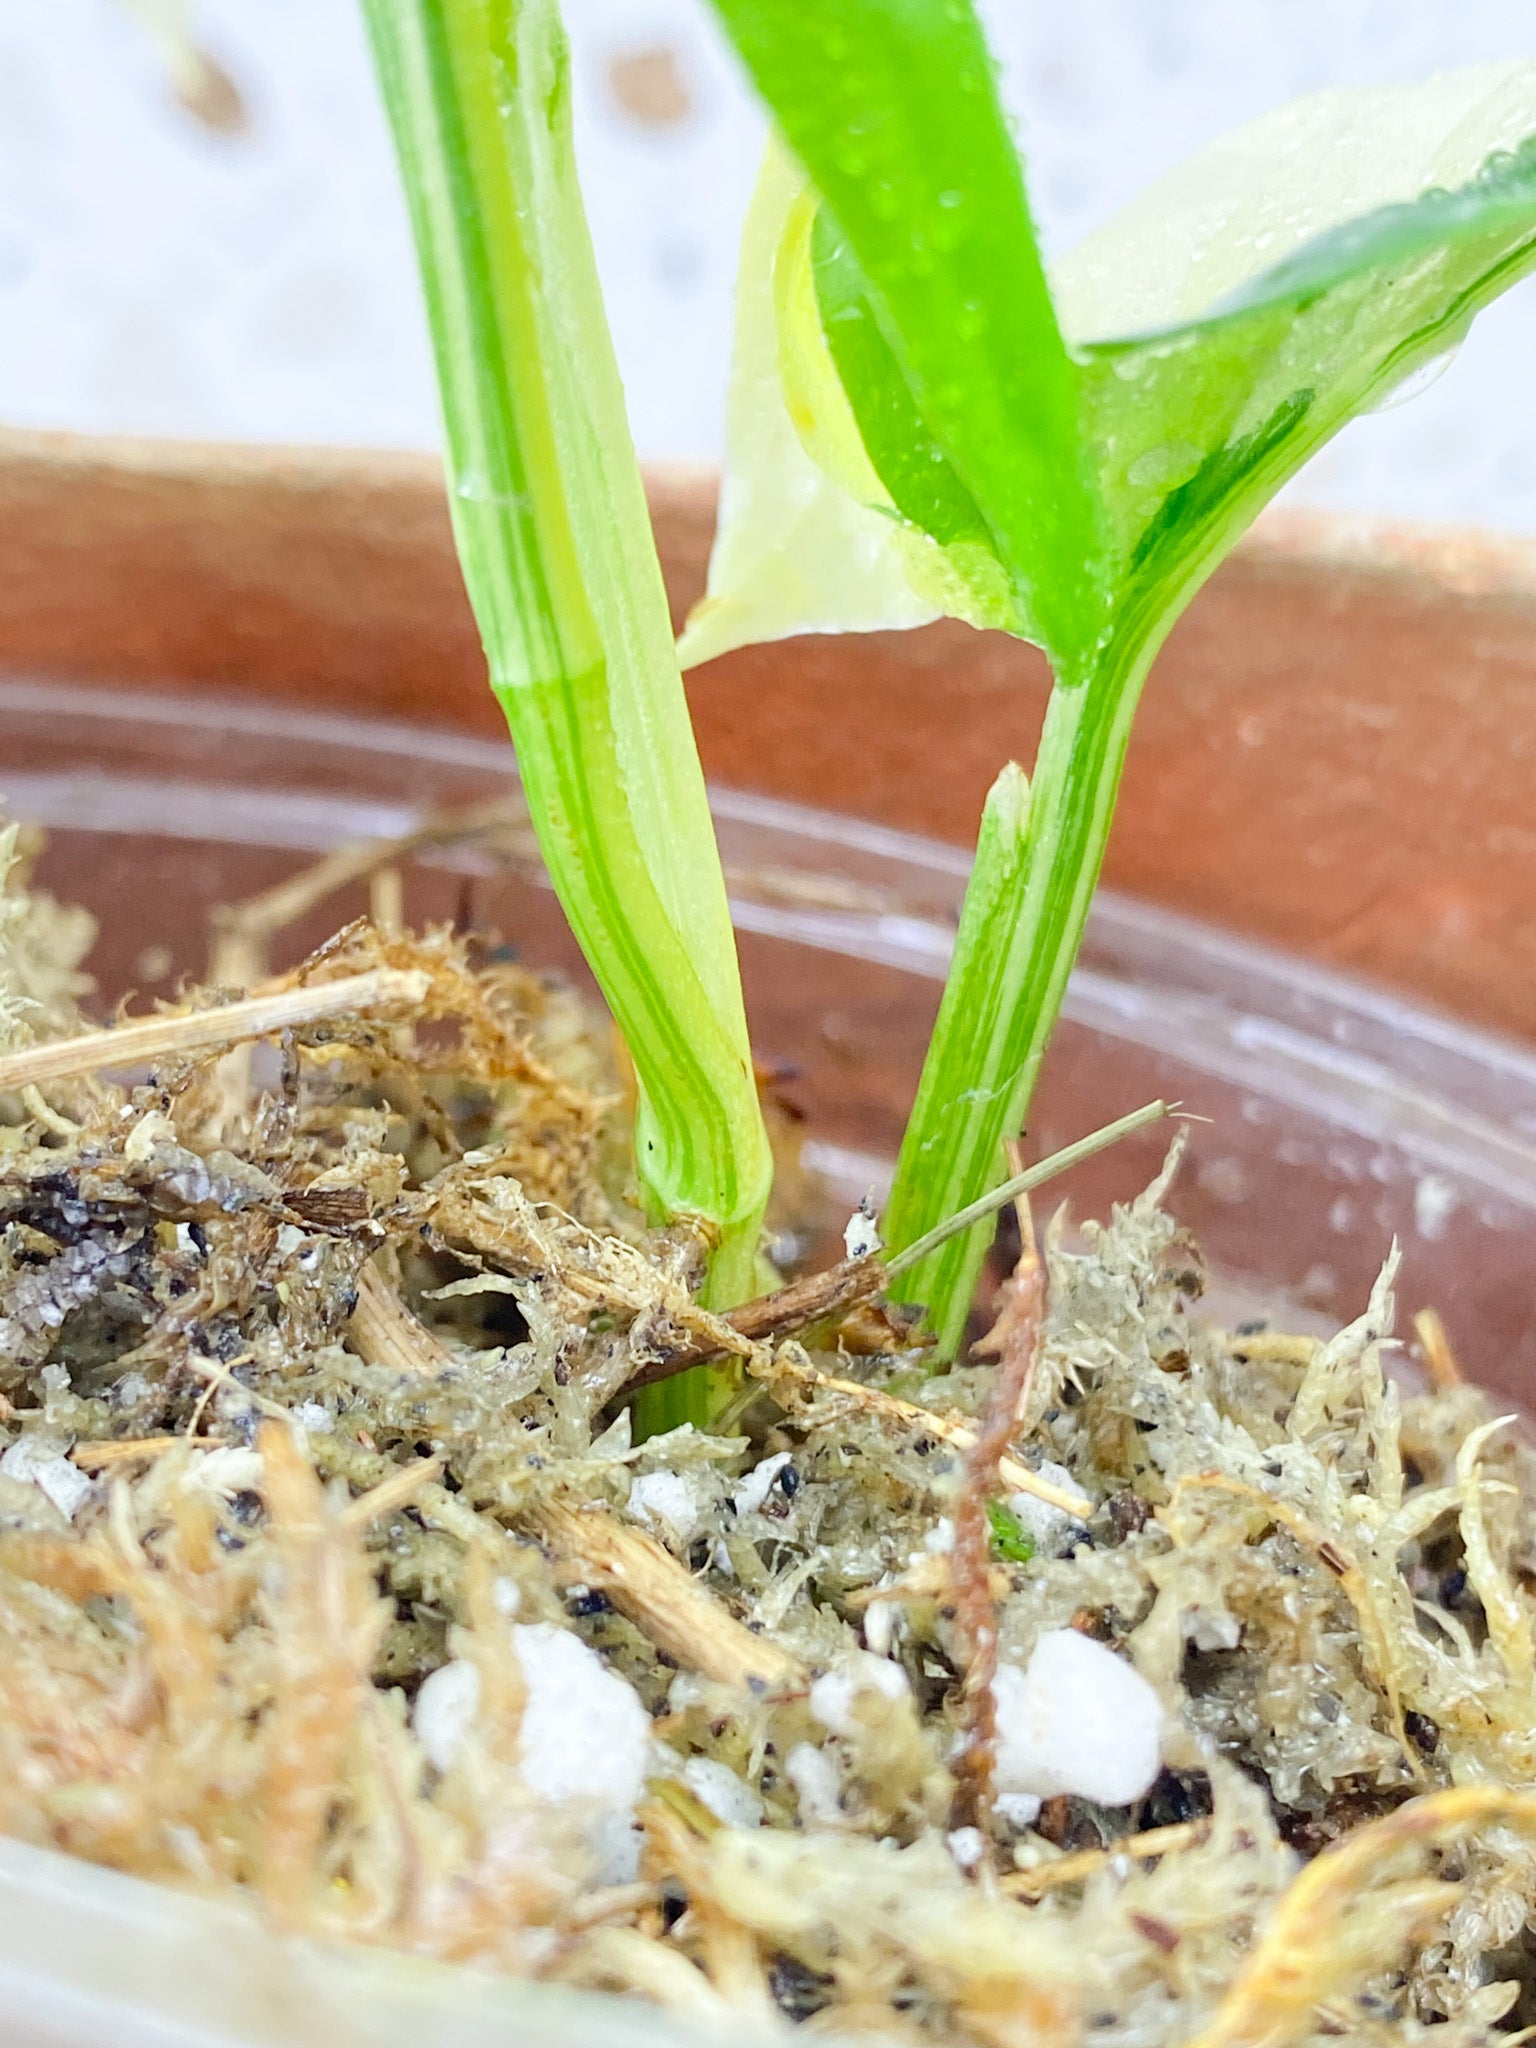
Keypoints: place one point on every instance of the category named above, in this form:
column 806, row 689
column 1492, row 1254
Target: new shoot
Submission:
column 921, row 423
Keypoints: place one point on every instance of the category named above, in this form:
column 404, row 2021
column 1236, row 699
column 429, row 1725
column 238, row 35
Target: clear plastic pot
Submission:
column 1338, row 1116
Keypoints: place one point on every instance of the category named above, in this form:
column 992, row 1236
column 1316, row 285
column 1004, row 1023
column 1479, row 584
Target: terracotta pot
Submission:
column 1335, row 751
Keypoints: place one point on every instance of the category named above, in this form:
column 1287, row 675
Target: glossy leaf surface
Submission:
column 891, row 107
column 1229, row 322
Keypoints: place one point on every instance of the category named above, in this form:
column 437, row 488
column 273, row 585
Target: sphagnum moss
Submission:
column 327, row 1554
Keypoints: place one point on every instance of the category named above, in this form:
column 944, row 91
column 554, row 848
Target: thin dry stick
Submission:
column 401, row 1486
column 1063, row 1870
column 1017, row 1334
column 949, row 1429
column 158, row 1038
column 96, row 1457
column 386, row 900
column 808, row 1300
column 387, row 1334
column 660, row 1596
column 780, row 1314
column 244, row 928
column 589, row 1546
column 1024, row 1183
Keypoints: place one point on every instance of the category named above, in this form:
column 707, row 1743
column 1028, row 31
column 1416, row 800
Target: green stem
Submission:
column 556, row 548
column 1020, row 928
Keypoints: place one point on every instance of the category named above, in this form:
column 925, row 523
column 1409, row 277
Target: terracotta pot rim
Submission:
column 1468, row 561
column 1333, row 756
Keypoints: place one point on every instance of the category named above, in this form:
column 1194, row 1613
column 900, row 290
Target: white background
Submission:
column 159, row 276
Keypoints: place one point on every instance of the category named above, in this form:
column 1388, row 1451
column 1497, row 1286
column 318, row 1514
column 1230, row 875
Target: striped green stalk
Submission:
column 1025, row 910
column 953, row 1117
column 555, row 544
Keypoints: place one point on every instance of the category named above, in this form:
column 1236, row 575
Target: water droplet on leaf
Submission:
column 1417, row 381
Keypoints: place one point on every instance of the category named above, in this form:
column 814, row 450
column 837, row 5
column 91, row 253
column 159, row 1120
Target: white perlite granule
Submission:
column 1078, row 1719
column 817, row 1785
column 1041, row 1519
column 584, row 1731
column 753, row 1487
column 861, row 1237
column 833, row 1695
column 37, row 1461
column 728, row 1797
column 446, row 1703
column 665, row 1497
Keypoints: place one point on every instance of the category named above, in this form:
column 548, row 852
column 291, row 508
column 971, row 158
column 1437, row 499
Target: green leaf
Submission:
column 906, row 459
column 891, row 107
column 1010, row 1539
column 1281, row 281
column 555, row 544
column 797, row 550
column 1222, row 329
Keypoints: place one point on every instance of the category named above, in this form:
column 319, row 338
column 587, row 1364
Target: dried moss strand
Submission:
column 1305, row 1954
column 970, row 1554
column 1061, row 1871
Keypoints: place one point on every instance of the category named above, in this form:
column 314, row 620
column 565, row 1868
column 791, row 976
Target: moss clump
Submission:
column 313, row 1370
